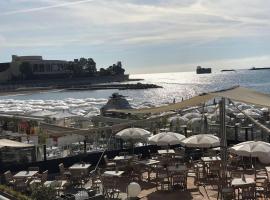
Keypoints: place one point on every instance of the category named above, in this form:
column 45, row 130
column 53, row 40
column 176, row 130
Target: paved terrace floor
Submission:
column 149, row 191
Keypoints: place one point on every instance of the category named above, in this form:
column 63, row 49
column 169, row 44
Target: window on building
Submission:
column 48, row 68
column 41, row 67
column 35, row 67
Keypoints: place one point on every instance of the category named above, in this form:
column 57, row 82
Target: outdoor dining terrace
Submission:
column 172, row 172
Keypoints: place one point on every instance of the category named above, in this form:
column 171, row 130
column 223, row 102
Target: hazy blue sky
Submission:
column 146, row 35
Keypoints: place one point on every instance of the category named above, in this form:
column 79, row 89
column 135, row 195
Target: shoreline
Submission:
column 79, row 87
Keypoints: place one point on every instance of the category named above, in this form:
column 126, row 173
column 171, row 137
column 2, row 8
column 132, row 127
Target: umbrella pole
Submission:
column 223, row 138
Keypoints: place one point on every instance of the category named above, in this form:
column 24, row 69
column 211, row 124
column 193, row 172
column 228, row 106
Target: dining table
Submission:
column 81, row 168
column 25, row 174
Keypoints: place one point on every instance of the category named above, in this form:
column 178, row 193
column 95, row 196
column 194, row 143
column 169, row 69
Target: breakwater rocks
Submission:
column 136, row 86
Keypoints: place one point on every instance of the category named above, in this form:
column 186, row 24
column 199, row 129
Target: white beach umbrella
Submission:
column 166, row 138
column 244, row 106
column 178, row 120
column 201, row 141
column 252, row 114
column 240, row 116
column 133, row 134
column 43, row 113
column 251, row 148
column 63, row 114
column 192, row 115
column 264, row 109
column 195, row 123
column 215, row 117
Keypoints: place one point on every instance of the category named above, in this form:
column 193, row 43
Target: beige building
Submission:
column 40, row 67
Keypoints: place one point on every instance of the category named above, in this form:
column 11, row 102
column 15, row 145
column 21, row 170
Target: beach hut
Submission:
column 116, row 101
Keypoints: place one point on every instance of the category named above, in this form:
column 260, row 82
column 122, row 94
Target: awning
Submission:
column 237, row 93
column 13, row 144
column 245, row 95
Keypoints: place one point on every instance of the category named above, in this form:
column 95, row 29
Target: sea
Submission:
column 175, row 87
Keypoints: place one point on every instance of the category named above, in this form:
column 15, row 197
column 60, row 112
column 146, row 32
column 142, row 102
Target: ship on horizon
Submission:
column 201, row 70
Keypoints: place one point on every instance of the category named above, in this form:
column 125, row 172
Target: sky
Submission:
column 148, row 36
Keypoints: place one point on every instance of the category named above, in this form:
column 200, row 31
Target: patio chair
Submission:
column 110, row 189
column 33, row 169
column 163, row 180
column 96, row 181
column 199, row 171
column 21, row 185
column 213, row 171
column 179, row 154
column 137, row 172
column 109, row 164
column 9, row 180
column 63, row 171
column 225, row 190
column 248, row 192
column 76, row 179
column 179, row 180
column 260, row 174
column 123, row 153
column 39, row 180
column 59, row 186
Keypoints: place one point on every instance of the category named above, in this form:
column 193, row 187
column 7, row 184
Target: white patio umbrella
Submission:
column 63, row 114
column 133, row 134
column 195, row 124
column 240, row 116
column 201, row 141
column 192, row 115
column 166, row 138
column 178, row 120
column 252, row 114
column 251, row 149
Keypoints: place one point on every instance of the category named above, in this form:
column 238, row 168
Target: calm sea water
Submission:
column 175, row 86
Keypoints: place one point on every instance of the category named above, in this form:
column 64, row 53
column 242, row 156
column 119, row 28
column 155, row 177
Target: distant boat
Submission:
column 259, row 68
column 228, row 70
column 201, row 70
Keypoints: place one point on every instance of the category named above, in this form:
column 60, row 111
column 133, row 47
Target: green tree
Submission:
column 91, row 66
column 43, row 193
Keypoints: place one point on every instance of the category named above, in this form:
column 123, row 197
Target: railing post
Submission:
column 44, row 152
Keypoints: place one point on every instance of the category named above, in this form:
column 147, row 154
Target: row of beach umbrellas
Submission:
column 257, row 149
column 169, row 138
